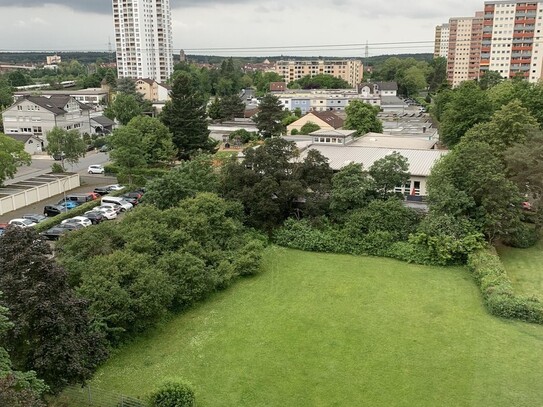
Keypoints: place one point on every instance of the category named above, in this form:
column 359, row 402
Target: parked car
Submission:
column 81, row 198
column 115, row 207
column 116, row 200
column 94, row 195
column 134, row 194
column 132, row 201
column 68, row 204
column 22, row 223
column 115, row 187
column 95, row 169
column 59, row 230
column 104, row 149
column 107, row 211
column 54, row 210
column 80, row 220
column 95, row 217
column 3, row 227
column 58, row 157
column 35, row 217
column 101, row 191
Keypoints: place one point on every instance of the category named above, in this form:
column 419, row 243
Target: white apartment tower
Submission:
column 512, row 39
column 441, row 47
column 143, row 38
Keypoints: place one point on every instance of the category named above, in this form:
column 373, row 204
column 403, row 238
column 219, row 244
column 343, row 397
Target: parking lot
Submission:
column 88, row 183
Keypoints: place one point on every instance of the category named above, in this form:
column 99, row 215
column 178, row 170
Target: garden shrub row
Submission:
column 497, row 291
column 417, row 248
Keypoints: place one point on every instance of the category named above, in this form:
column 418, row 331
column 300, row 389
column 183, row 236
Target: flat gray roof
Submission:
column 420, row 161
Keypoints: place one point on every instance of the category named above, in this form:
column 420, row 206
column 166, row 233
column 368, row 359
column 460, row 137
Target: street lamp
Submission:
column 64, row 193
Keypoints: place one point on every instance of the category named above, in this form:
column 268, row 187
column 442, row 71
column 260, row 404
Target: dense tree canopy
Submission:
column 269, row 119
column 321, row 81
column 467, row 106
column 12, row 156
column 68, row 144
column 362, row 117
column 51, row 333
column 186, row 117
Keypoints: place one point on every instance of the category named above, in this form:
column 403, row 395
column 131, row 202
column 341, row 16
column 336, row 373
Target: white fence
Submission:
column 28, row 192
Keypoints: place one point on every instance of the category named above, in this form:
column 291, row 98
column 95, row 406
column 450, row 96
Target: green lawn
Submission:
column 525, row 268
column 332, row 330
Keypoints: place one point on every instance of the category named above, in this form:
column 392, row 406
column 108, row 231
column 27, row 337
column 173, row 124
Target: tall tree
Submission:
column 232, row 106
column 6, row 94
column 124, row 108
column 467, row 106
column 184, row 181
column 511, row 124
column 156, row 139
column 21, row 389
column 490, row 79
column 127, row 150
column 350, row 189
column 362, row 117
column 389, row 172
column 12, row 156
column 68, row 144
column 470, row 182
column 51, row 332
column 438, row 74
column 525, row 168
column 270, row 116
column 185, row 115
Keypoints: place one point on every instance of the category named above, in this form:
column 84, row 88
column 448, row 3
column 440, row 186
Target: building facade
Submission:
column 464, row 56
column 441, row 46
column 351, row 71
column 143, row 38
column 37, row 115
column 506, row 38
column 512, row 39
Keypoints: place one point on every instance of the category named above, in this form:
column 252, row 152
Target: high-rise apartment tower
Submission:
column 143, row 38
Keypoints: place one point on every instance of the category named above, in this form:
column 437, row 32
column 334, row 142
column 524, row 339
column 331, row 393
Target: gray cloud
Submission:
column 104, row 6
column 389, row 8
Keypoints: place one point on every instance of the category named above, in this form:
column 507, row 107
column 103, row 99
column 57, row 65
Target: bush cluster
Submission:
column 524, row 236
column 155, row 261
column 497, row 290
column 173, row 394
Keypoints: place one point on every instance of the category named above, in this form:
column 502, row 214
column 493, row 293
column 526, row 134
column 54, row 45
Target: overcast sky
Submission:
column 197, row 24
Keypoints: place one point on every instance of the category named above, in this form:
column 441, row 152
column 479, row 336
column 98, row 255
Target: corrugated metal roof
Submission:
column 387, row 141
column 420, row 161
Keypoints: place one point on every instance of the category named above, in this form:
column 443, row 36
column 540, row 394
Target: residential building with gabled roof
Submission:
column 37, row 115
column 326, row 120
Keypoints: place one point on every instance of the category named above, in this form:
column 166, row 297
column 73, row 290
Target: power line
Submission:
column 337, row 47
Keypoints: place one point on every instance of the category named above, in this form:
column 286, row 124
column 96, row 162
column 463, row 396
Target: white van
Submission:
column 115, row 200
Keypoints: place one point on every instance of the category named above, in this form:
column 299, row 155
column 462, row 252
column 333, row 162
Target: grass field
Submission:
column 332, row 330
column 525, row 268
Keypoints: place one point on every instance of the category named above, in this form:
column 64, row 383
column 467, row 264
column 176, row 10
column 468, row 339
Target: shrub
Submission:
column 309, row 127
column 173, row 394
column 56, row 168
column 447, row 240
column 294, row 132
column 300, row 234
column 390, row 216
column 497, row 290
column 522, row 237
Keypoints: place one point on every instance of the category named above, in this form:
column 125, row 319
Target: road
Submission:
column 42, row 164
